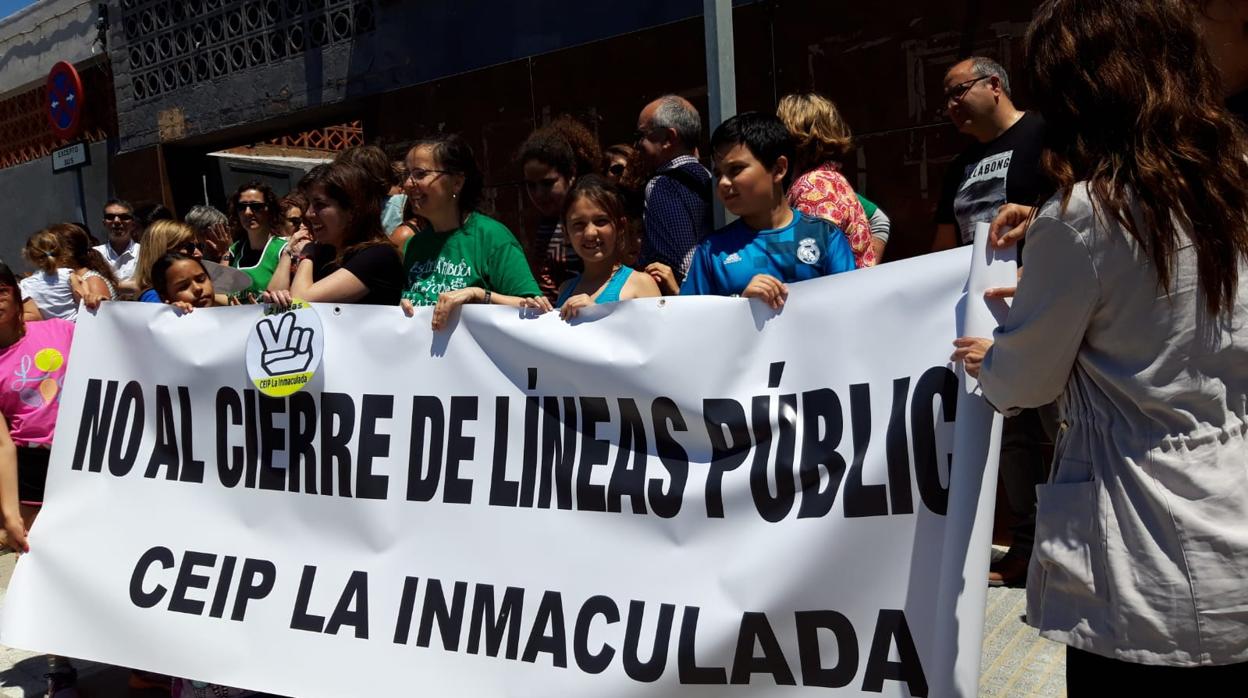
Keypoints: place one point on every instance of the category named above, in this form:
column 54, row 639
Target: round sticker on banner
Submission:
column 285, row 349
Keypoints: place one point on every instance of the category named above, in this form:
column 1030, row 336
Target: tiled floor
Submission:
column 1016, row 661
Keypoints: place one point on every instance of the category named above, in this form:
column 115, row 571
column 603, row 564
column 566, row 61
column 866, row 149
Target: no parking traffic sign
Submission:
column 65, row 100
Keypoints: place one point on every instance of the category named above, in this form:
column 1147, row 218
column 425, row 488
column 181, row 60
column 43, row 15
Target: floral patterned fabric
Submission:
column 825, row 193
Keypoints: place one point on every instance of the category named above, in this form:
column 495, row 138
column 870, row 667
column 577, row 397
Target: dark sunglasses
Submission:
column 958, row 91
column 118, row 217
column 617, row 169
column 295, row 221
column 257, row 206
column 189, row 248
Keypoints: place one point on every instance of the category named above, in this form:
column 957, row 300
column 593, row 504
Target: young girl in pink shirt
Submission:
column 33, row 358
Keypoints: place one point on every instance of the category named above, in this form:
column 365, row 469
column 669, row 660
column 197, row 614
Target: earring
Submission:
column 455, row 195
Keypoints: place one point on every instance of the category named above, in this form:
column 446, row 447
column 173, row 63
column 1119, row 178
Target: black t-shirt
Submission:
column 988, row 175
column 249, row 257
column 377, row 266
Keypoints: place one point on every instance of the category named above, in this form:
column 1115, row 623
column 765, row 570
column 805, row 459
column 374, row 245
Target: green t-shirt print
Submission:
column 482, row 252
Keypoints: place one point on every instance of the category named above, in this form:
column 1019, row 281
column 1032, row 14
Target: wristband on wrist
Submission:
column 486, row 300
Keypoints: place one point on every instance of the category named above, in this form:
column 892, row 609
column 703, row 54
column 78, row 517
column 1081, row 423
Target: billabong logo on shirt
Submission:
column 990, row 168
column 808, row 251
column 734, row 257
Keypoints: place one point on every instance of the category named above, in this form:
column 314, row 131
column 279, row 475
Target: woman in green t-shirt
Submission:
column 255, row 220
column 458, row 255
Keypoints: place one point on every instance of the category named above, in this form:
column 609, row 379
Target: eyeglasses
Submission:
column 295, row 221
column 422, row 175
column 617, row 169
column 257, row 206
column 118, row 217
column 958, row 91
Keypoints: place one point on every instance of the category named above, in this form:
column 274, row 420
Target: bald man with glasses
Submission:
column 1002, row 166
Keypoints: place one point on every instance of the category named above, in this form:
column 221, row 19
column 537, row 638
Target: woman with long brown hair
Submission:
column 342, row 255
column 1133, row 310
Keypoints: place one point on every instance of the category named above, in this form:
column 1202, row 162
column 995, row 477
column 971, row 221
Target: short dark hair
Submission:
column 764, row 134
column 120, row 202
column 148, row 212
column 453, row 153
column 160, row 272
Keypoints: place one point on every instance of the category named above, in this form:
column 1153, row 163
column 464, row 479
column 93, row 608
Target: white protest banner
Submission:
column 693, row 496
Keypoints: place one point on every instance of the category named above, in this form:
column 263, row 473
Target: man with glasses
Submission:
column 121, row 251
column 678, row 198
column 1003, row 166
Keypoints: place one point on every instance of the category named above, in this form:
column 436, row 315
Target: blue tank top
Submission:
column 610, row 294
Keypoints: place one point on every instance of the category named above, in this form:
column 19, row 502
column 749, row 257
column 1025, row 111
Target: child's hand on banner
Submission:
column 768, row 289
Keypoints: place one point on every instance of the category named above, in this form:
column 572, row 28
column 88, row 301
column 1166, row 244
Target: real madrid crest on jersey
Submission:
column 808, row 251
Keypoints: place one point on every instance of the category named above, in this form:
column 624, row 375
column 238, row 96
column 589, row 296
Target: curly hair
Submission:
column 564, row 144
column 820, row 134
column 293, row 200
column 272, row 213
column 1134, row 108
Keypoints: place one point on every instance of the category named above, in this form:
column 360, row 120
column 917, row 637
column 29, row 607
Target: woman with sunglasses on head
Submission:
column 256, row 219
column 1133, row 312
column 459, row 255
column 552, row 158
column 341, row 255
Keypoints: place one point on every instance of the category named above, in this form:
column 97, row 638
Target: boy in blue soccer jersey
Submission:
column 771, row 244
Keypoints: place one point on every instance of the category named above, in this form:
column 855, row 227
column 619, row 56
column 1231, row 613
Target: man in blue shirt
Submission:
column 771, row 244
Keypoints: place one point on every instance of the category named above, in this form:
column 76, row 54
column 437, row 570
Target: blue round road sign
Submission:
column 65, row 100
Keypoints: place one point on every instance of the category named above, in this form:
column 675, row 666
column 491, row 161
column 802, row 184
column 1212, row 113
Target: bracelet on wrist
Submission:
column 486, row 299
